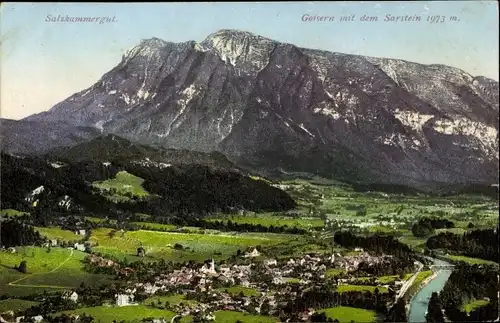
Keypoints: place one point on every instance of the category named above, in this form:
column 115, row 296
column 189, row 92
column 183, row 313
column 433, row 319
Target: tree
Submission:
column 434, row 311
column 319, row 317
column 397, row 313
column 23, row 267
column 422, row 230
column 265, row 308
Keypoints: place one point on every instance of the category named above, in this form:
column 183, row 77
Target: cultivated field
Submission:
column 195, row 246
column 106, row 314
column 347, row 314
column 232, row 316
column 58, row 233
column 272, row 219
column 46, row 270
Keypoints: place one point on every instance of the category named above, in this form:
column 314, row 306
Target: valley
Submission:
column 241, row 179
column 235, row 265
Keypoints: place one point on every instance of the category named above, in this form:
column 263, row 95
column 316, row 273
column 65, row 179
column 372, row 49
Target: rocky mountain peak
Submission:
column 147, row 47
column 238, row 46
column 234, row 34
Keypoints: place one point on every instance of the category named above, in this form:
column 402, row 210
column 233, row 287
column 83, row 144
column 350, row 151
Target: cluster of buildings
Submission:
column 209, row 280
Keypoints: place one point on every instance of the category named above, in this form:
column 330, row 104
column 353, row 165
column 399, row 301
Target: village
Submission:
column 270, row 282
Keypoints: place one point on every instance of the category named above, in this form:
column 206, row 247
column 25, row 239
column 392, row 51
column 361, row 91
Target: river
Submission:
column 420, row 302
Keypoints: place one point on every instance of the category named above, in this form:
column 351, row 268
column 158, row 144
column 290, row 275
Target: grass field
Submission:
column 198, row 247
column 171, row 299
column 155, row 226
column 15, row 305
column 334, row 272
column 271, row 219
column 387, row 279
column 11, row 213
column 421, row 277
column 94, row 219
column 236, row 290
column 469, row 307
column 122, row 187
column 413, row 242
column 232, row 316
column 58, row 269
column 391, row 213
column 452, row 230
column 473, row 261
column 106, row 314
column 346, row 314
column 349, row 288
column 58, row 233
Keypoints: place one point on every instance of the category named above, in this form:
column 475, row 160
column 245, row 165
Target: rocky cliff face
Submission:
column 273, row 105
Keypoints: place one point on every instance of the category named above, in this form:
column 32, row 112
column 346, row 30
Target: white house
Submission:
column 254, row 253
column 124, row 300
column 80, row 232
column 79, row 246
column 270, row 262
column 71, row 296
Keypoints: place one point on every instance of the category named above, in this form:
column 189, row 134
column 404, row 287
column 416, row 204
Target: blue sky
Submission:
column 42, row 63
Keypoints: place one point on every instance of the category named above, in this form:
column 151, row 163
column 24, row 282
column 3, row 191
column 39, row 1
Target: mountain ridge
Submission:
column 268, row 104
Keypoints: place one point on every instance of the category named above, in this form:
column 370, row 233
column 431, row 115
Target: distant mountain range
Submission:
column 276, row 107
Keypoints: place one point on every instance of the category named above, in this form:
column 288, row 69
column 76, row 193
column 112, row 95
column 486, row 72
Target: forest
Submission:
column 15, row 233
column 467, row 283
column 177, row 191
column 426, row 226
column 477, row 243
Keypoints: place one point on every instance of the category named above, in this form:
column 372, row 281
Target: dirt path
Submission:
column 15, row 282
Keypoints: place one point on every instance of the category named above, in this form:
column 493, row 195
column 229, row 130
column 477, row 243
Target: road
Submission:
column 409, row 282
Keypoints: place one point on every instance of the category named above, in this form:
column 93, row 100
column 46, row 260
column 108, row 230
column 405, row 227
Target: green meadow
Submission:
column 472, row 261
column 58, row 233
column 195, row 246
column 236, row 290
column 15, row 305
column 233, row 316
column 47, row 269
column 106, row 314
column 173, row 300
column 271, row 219
column 11, row 213
column 368, row 288
column 347, row 314
column 122, row 188
column 472, row 305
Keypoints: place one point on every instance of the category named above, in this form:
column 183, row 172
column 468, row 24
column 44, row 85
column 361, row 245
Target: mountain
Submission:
column 110, row 148
column 277, row 107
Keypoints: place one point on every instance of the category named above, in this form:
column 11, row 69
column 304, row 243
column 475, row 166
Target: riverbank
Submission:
column 421, row 295
column 420, row 287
